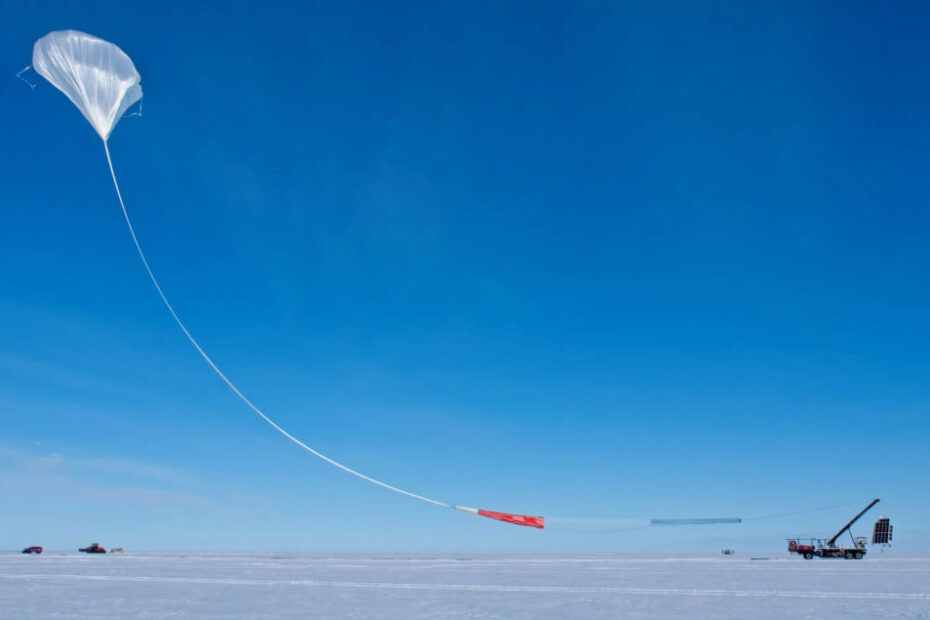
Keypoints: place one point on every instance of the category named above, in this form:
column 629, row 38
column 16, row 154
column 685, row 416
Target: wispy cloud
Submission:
column 38, row 484
column 48, row 374
column 47, row 461
column 114, row 466
column 127, row 467
column 30, row 474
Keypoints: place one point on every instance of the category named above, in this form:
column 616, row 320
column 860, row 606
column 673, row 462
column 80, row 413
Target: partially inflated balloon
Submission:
column 98, row 77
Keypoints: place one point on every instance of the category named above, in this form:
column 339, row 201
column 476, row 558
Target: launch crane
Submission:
column 810, row 547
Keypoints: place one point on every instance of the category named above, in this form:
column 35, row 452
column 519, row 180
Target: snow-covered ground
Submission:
column 402, row 586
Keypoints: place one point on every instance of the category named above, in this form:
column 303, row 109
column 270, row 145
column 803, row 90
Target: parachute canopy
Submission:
column 98, row 77
column 528, row 521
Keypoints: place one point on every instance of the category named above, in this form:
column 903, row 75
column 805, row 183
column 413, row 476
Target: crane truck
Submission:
column 810, row 547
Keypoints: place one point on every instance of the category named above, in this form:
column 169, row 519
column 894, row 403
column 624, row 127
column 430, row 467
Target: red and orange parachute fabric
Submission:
column 526, row 520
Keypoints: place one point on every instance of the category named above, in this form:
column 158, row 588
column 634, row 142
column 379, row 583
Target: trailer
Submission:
column 808, row 548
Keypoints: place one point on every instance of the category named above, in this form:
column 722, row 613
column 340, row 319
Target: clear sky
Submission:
column 584, row 260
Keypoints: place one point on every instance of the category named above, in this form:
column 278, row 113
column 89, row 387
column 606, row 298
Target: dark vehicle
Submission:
column 94, row 548
column 35, row 549
column 810, row 547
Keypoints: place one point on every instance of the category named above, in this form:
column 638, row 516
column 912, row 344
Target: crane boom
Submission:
column 832, row 541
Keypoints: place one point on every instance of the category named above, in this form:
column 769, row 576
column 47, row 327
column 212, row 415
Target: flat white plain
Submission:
column 202, row 585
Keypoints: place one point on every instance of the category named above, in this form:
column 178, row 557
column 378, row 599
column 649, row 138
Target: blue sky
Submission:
column 587, row 260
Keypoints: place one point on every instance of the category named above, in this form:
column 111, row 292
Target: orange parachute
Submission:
column 526, row 520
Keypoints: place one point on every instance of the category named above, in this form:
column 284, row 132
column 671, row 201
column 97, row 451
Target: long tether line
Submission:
column 225, row 379
column 800, row 512
column 271, row 422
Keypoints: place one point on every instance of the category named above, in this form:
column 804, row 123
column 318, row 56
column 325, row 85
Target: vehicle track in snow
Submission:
column 631, row 591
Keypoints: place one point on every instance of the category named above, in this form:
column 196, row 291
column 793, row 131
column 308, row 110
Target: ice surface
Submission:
column 404, row 586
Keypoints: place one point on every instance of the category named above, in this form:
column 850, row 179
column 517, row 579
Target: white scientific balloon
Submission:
column 98, row 77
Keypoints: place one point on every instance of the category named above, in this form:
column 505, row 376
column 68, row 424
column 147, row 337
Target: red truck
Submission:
column 35, row 549
column 94, row 548
column 810, row 547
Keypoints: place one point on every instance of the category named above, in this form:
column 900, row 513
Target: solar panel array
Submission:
column 881, row 533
